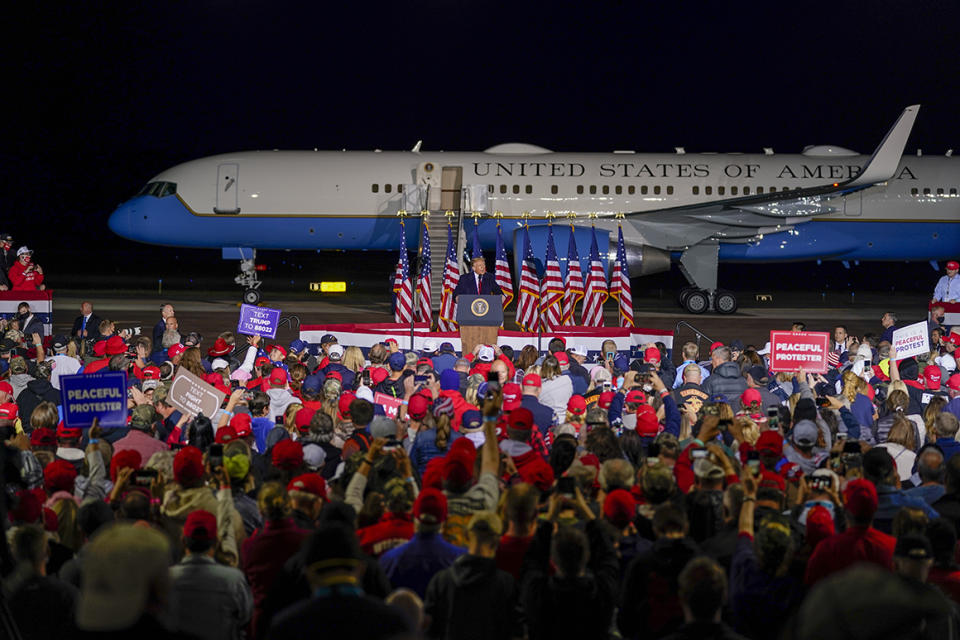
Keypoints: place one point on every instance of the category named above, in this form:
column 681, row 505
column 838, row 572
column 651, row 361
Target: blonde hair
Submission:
column 68, row 525
column 749, row 431
column 935, row 408
column 353, row 359
column 274, row 501
column 901, row 432
column 290, row 416
column 192, row 361
column 44, row 416
column 852, row 385
column 550, row 368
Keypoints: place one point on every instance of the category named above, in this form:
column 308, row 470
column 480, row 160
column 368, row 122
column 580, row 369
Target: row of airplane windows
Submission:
column 655, row 190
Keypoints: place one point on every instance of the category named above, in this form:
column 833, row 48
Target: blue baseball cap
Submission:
column 298, row 345
column 472, row 420
column 447, row 347
column 397, row 361
column 313, row 383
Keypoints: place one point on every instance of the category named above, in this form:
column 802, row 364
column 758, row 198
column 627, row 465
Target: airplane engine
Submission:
column 642, row 259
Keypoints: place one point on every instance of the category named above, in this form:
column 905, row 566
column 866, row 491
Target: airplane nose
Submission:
column 119, row 221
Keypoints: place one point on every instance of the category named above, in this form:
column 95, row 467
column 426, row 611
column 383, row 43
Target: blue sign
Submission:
column 95, row 395
column 258, row 321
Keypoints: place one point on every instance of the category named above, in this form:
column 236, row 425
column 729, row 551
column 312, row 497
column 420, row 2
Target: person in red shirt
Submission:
column 396, row 525
column 24, row 274
column 859, row 543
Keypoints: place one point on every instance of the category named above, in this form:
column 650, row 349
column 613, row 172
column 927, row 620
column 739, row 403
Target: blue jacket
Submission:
column 949, row 446
column 425, row 448
column 579, row 384
column 890, row 501
column 443, row 362
column 414, row 563
column 542, row 414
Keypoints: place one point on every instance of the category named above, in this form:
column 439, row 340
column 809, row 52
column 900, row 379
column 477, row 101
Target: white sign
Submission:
column 192, row 395
column 912, row 340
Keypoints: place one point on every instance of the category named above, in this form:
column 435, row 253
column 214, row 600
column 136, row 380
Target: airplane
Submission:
column 826, row 203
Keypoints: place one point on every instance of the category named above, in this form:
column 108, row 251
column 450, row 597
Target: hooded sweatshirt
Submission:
column 460, row 600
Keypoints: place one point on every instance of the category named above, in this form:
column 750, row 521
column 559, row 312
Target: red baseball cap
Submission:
column 335, row 375
column 242, row 424
column 225, row 434
column 820, row 525
column 431, row 506
column 457, row 468
column 175, row 350
column 59, row 475
column 115, row 346
column 538, row 473
column 418, row 407
column 652, row 354
column 100, row 348
column 577, row 405
column 532, row 380
column 343, row 405
column 715, row 345
column 378, row 375
column 933, row 377
column 620, row 508
column 124, row 459
column 562, row 358
column 278, row 377
column 6, row 387
column 188, row 465
column 312, row 483
column 512, row 397
column 287, row 455
column 260, row 361
column 433, row 472
column 200, row 525
column 8, row 411
column 606, row 399
column 751, row 396
column 520, row 419
column 635, row 396
column 44, row 438
column 151, row 372
column 278, row 348
column 303, row 418
column 860, row 499
column 62, row 430
column 953, row 264
column 647, row 423
column 953, row 382
column 770, row 442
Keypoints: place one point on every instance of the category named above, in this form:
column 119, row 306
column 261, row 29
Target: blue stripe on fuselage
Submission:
column 165, row 221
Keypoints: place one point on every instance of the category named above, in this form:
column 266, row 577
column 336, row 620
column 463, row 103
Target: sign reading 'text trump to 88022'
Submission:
column 258, row 321
column 799, row 351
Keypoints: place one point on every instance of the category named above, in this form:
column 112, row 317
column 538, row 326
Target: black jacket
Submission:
column 649, row 604
column 467, row 284
column 37, row 391
column 586, row 602
column 93, row 327
column 339, row 615
column 705, row 631
column 473, row 600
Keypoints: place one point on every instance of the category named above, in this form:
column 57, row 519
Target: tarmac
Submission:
column 211, row 312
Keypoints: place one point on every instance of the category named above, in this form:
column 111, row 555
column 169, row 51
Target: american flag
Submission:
column 620, row 283
column 403, row 299
column 551, row 299
column 451, row 274
column 476, row 252
column 574, row 283
column 502, row 275
column 528, row 307
column 424, row 313
column 596, row 288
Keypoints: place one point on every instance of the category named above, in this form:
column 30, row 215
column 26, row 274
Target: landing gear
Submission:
column 725, row 302
column 249, row 281
column 699, row 265
column 696, row 301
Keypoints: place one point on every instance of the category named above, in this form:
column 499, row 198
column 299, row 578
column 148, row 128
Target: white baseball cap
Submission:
column 335, row 352
column 485, row 354
column 24, row 249
column 765, row 350
column 429, row 346
column 580, row 350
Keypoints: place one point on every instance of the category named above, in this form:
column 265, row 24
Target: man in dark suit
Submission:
column 166, row 311
column 477, row 281
column 87, row 324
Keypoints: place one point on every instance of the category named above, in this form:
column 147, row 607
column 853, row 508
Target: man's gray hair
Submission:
column 170, row 338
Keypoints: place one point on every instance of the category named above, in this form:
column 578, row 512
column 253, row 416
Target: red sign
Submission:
column 391, row 405
column 799, row 351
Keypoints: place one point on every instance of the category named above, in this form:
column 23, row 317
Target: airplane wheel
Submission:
column 251, row 296
column 725, row 302
column 682, row 296
column 697, row 301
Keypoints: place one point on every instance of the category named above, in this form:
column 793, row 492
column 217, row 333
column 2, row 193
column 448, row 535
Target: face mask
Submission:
column 939, row 319
column 630, row 421
column 26, row 259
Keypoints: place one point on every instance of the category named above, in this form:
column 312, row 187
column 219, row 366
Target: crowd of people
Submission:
column 513, row 494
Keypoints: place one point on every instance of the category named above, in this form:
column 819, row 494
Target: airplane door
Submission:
column 227, row 188
column 853, row 204
column 429, row 174
column 451, row 183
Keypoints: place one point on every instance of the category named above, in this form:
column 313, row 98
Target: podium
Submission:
column 479, row 318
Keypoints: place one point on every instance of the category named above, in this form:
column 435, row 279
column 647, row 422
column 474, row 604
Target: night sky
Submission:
column 101, row 97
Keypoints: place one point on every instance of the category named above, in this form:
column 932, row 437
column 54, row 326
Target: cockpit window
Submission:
column 159, row 189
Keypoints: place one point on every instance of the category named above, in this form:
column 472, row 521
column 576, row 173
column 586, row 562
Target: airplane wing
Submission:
column 741, row 219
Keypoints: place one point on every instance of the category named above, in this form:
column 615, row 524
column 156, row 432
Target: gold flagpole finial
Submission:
column 448, row 213
column 402, row 213
column 593, row 215
column 498, row 214
column 474, row 215
column 550, row 215
column 619, row 215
